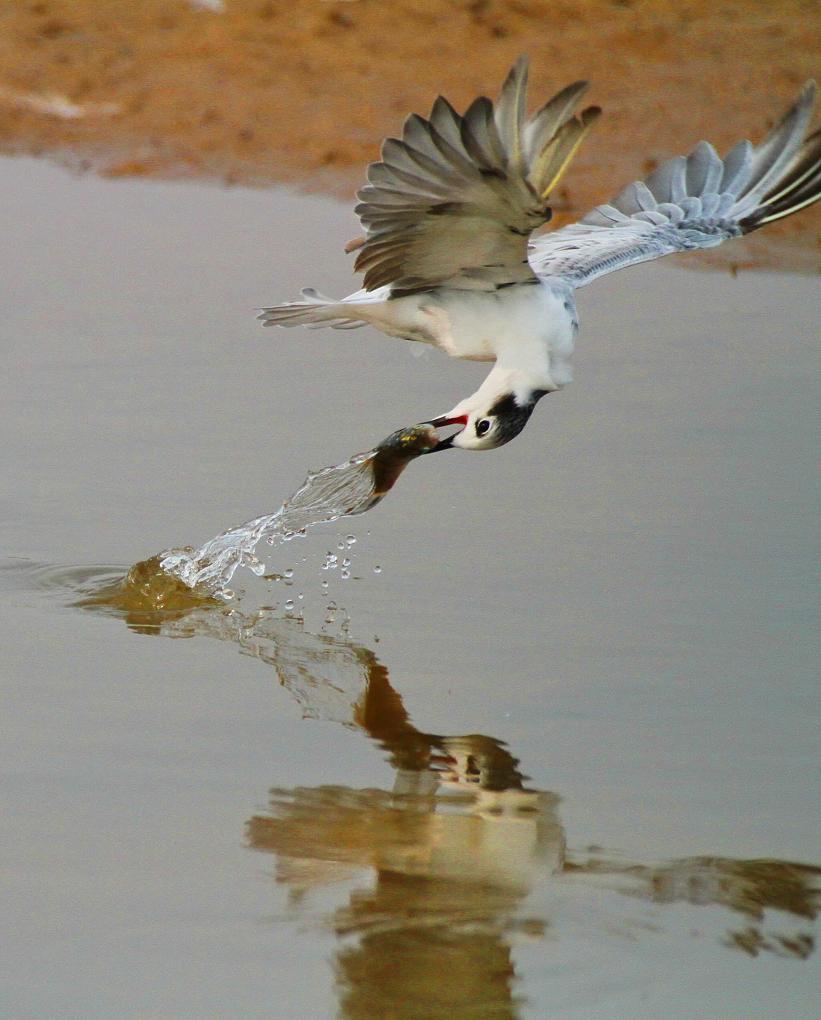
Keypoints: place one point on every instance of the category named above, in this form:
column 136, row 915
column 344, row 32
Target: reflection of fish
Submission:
column 450, row 207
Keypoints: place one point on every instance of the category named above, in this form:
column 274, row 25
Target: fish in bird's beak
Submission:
column 443, row 421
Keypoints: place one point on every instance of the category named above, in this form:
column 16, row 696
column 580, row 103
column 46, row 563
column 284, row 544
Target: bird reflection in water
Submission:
column 442, row 865
column 453, row 850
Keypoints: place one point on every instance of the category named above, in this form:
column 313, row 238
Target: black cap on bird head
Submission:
column 487, row 428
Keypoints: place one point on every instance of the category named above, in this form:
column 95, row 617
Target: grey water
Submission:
column 563, row 751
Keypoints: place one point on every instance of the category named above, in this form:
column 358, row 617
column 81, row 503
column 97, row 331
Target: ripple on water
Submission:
column 61, row 579
column 143, row 594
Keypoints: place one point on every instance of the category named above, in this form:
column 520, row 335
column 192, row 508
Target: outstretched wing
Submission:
column 456, row 198
column 692, row 202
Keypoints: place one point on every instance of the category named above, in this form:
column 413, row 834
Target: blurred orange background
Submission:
column 258, row 91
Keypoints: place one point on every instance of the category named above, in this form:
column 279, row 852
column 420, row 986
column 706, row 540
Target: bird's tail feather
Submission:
column 313, row 311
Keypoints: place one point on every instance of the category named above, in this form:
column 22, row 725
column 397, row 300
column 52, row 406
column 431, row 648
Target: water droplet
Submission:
column 340, row 545
column 271, row 539
column 345, row 575
column 289, row 606
column 350, row 540
column 346, row 563
column 324, row 586
column 377, row 569
column 288, row 573
column 227, row 594
column 331, row 607
column 248, row 559
column 301, row 596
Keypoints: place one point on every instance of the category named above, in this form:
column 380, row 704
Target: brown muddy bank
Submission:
column 265, row 91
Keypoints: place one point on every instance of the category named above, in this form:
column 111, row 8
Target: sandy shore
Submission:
column 261, row 91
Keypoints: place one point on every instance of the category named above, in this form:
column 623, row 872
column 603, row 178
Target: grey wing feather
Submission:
column 692, row 202
column 453, row 201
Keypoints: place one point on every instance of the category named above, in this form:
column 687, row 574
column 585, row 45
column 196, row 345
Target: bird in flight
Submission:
column 448, row 258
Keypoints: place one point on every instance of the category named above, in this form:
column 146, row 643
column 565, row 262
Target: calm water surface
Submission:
column 558, row 757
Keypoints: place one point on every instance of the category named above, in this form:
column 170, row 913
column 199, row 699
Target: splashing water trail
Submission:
column 344, row 490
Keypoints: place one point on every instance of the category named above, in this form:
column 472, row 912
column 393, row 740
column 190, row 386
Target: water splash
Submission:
column 339, row 491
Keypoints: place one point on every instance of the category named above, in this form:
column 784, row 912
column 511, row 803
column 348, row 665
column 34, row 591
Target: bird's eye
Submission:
column 483, row 426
